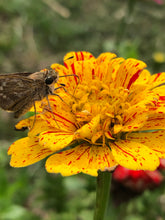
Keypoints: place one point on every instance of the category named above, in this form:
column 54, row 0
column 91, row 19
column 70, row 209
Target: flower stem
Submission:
column 102, row 194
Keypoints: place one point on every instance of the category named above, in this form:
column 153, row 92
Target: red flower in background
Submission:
column 160, row 2
column 139, row 180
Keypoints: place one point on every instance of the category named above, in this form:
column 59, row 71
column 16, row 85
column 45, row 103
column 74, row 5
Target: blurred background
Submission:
column 35, row 34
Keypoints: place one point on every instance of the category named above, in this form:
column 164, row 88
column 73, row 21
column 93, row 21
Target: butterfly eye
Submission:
column 49, row 80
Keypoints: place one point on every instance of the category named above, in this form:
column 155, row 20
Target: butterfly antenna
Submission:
column 77, row 83
column 62, row 86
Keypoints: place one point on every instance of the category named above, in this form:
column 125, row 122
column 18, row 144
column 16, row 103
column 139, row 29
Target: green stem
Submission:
column 102, row 194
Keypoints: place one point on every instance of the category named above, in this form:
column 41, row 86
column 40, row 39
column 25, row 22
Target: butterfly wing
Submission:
column 18, row 92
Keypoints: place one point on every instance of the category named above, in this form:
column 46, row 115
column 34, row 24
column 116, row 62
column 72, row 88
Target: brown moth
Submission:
column 19, row 91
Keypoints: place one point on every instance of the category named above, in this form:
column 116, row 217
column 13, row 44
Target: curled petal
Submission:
column 109, row 135
column 134, row 156
column 153, row 140
column 89, row 129
column 27, row 151
column 96, row 136
column 83, row 159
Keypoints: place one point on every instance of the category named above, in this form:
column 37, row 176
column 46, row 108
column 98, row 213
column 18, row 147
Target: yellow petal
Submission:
column 77, row 56
column 70, row 82
column 35, row 124
column 143, row 97
column 54, row 140
column 59, row 115
column 143, row 78
column 134, row 156
column 105, row 57
column 129, row 72
column 106, row 71
column 96, row 136
column 157, row 79
column 154, row 122
column 83, row 159
column 134, row 118
column 108, row 135
column 38, row 106
column 27, row 151
column 77, row 63
column 25, row 123
column 112, row 71
column 153, row 140
column 117, row 128
column 89, row 129
column 81, row 68
column 159, row 106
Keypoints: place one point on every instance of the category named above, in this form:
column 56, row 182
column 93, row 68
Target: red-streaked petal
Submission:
column 54, row 140
column 106, row 70
column 70, row 82
column 154, row 122
column 143, row 97
column 129, row 72
column 72, row 57
column 143, row 78
column 112, row 70
column 134, row 156
column 36, row 125
column 153, row 140
column 84, row 70
column 157, row 79
column 159, row 106
column 134, row 118
column 108, row 135
column 85, row 159
column 105, row 57
column 27, row 151
column 59, row 115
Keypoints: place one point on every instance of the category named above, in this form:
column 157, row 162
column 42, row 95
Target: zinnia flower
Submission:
column 112, row 112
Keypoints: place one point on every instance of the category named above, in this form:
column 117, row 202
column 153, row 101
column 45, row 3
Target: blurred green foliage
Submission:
column 35, row 34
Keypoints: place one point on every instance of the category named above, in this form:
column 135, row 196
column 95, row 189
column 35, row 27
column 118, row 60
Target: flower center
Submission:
column 100, row 99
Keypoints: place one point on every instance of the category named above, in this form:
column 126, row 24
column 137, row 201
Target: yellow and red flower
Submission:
column 112, row 112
